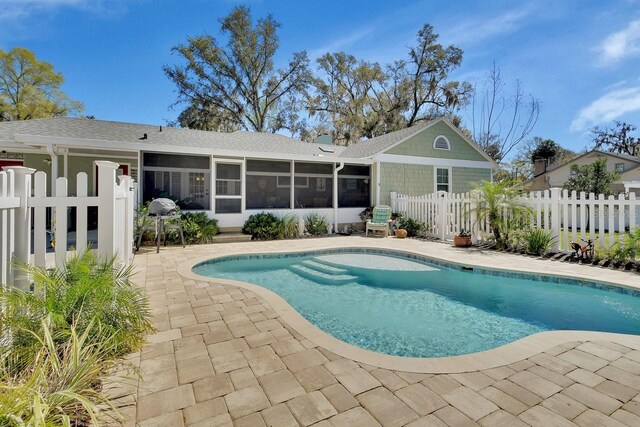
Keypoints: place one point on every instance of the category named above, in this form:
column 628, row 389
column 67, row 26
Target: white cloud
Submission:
column 481, row 28
column 342, row 43
column 608, row 107
column 622, row 44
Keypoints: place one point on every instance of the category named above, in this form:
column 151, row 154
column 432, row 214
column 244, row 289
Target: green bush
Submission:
column 627, row 248
column 289, row 226
column 315, row 224
column 413, row 226
column 62, row 385
column 366, row 214
column 197, row 227
column 263, row 226
column 538, row 241
column 86, row 292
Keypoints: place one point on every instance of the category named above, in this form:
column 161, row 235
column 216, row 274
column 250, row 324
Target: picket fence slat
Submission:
column 82, row 184
column 568, row 216
column 40, row 221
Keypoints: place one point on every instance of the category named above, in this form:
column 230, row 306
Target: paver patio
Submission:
column 224, row 356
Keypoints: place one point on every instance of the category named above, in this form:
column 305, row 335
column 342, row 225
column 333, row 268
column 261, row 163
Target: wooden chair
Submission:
column 379, row 220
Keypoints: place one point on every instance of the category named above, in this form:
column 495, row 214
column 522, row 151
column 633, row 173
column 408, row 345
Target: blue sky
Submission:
column 580, row 58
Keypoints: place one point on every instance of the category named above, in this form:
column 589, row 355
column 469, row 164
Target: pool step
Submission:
column 324, row 268
column 321, row 277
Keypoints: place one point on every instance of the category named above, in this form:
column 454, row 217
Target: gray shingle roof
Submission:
column 370, row 147
column 131, row 133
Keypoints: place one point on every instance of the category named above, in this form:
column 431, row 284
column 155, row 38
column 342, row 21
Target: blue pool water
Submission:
column 411, row 306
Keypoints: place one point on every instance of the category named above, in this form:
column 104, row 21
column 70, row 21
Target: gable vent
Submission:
column 441, row 143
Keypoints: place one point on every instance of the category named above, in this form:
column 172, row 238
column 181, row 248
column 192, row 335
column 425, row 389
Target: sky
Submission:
column 581, row 59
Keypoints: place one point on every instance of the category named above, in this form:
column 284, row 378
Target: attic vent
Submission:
column 326, row 148
column 441, row 143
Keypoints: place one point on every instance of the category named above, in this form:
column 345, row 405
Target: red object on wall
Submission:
column 7, row 162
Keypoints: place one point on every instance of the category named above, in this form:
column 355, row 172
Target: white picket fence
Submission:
column 568, row 216
column 23, row 219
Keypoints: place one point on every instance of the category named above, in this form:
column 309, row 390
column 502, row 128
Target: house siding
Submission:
column 421, row 145
column 416, row 180
column 464, row 179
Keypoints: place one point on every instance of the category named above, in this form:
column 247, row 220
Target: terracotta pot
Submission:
column 401, row 234
column 462, row 242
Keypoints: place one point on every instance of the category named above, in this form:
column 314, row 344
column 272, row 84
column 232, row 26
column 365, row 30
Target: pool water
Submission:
column 417, row 308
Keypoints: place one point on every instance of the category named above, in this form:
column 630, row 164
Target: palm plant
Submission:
column 499, row 204
column 86, row 292
column 60, row 385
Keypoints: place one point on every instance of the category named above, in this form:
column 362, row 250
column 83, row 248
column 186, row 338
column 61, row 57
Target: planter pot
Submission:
column 462, row 242
column 401, row 234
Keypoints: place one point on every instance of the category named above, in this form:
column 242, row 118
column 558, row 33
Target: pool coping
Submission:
column 509, row 353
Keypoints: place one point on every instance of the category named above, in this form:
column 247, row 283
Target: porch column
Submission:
column 336, row 169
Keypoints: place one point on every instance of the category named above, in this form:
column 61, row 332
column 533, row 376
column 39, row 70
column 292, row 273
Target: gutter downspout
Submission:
column 52, row 150
column 336, row 169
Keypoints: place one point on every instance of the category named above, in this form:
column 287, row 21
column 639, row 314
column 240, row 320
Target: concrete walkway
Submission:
column 224, row 356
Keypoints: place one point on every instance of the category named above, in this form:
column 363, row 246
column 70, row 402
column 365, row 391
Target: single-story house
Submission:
column 556, row 176
column 233, row 175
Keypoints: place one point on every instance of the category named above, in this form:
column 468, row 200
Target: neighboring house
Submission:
column 233, row 175
column 556, row 176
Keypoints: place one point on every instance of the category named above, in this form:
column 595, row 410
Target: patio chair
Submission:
column 379, row 220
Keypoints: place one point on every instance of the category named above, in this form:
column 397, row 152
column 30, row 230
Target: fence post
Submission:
column 22, row 248
column 442, row 207
column 394, row 201
column 129, row 216
column 555, row 217
column 106, row 209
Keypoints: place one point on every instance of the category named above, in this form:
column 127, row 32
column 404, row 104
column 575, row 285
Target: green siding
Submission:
column 416, row 180
column 413, row 180
column 464, row 179
column 421, row 145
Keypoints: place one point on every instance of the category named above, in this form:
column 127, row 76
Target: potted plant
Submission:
column 401, row 233
column 462, row 239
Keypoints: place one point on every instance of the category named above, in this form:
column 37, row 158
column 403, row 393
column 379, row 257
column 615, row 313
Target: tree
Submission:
column 499, row 204
column 500, row 122
column 358, row 98
column 521, row 166
column 592, row 178
column 238, row 83
column 30, row 88
column 617, row 139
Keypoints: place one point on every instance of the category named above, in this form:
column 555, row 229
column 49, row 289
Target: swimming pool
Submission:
column 412, row 306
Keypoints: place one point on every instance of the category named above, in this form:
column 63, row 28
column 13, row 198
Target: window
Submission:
column 573, row 172
column 228, row 188
column 184, row 179
column 619, row 167
column 354, row 186
column 268, row 184
column 313, row 185
column 441, row 143
column 443, row 179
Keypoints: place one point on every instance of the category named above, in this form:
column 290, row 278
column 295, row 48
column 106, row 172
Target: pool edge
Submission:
column 509, row 353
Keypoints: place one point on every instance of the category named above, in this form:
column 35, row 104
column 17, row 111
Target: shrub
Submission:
column 413, row 226
column 62, row 383
column 197, row 228
column 263, row 226
column 84, row 293
column 627, row 248
column 538, row 241
column 315, row 224
column 289, row 226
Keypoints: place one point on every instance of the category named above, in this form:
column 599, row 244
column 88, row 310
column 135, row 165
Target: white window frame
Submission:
column 446, row 139
column 435, row 178
column 214, row 178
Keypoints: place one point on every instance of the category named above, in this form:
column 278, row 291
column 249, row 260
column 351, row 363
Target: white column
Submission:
column 336, row 169
column 106, row 209
column 22, row 248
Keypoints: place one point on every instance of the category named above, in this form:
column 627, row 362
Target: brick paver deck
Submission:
column 223, row 356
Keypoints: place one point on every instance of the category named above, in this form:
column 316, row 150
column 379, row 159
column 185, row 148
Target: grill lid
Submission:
column 162, row 207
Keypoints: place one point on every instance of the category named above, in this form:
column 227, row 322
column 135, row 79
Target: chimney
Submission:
column 539, row 166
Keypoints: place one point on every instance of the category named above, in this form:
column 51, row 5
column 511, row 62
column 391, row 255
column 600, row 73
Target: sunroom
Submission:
column 232, row 189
